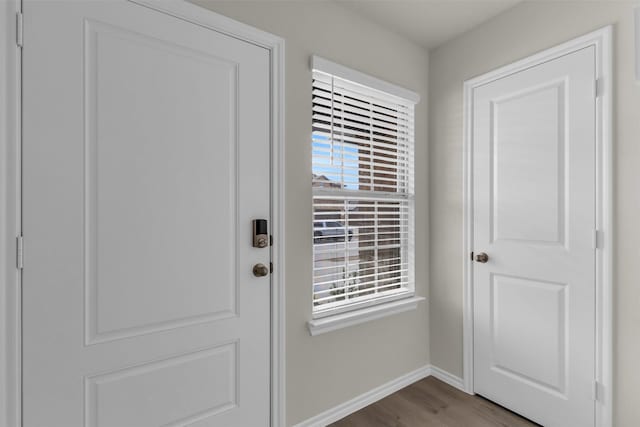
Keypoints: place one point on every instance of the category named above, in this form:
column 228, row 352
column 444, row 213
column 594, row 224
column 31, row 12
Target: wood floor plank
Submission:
column 432, row 403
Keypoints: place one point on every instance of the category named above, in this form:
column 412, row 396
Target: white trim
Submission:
column 602, row 41
column 355, row 317
column 363, row 302
column 604, row 223
column 637, row 42
column 447, row 377
column 207, row 18
column 347, row 408
column 278, row 229
column 10, row 276
column 467, row 242
column 10, row 106
column 325, row 66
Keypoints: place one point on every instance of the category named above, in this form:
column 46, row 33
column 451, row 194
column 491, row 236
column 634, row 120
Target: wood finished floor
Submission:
column 432, row 403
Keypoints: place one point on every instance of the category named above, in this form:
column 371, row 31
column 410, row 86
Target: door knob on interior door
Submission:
column 482, row 257
column 260, row 270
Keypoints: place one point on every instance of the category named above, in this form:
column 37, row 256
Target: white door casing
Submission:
column 538, row 144
column 10, row 227
column 146, row 155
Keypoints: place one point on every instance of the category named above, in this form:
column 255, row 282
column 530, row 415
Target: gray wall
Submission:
column 326, row 370
column 519, row 32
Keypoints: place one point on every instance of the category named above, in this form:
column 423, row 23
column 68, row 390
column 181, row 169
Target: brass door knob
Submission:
column 260, row 270
column 482, row 257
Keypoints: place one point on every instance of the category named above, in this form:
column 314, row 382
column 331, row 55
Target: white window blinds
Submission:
column 363, row 194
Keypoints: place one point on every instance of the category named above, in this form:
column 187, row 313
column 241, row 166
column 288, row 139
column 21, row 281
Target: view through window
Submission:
column 362, row 148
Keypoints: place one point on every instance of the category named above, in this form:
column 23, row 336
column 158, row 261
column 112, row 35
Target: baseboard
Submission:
column 347, row 408
column 448, row 378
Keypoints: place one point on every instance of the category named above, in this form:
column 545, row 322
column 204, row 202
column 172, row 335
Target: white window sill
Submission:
column 343, row 320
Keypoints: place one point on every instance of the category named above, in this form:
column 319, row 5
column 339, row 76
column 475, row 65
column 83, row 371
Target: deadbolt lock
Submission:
column 260, row 233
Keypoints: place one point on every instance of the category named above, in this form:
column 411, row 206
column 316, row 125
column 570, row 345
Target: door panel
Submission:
column 146, row 156
column 202, row 384
column 517, row 304
column 534, row 215
column 524, row 168
column 124, row 136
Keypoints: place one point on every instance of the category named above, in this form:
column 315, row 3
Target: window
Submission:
column 363, row 192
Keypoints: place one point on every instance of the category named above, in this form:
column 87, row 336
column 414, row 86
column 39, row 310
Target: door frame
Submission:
column 602, row 41
column 10, row 195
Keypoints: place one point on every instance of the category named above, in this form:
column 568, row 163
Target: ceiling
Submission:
column 429, row 22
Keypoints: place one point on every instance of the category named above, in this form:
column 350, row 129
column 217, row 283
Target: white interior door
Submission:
column 146, row 156
column 534, row 216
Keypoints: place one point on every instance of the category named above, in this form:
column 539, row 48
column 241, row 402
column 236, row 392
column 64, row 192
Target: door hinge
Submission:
column 270, row 240
column 270, row 267
column 597, row 391
column 19, row 252
column 471, row 256
column 599, row 87
column 597, row 239
column 19, row 29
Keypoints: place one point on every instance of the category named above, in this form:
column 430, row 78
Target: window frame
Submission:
column 374, row 87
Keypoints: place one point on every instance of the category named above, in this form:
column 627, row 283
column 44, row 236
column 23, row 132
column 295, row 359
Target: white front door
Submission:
column 146, row 156
column 534, row 216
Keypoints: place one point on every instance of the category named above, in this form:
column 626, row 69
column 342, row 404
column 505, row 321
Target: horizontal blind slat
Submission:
column 359, row 292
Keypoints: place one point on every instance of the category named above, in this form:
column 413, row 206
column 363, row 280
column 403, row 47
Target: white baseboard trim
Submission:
column 448, row 378
column 347, row 408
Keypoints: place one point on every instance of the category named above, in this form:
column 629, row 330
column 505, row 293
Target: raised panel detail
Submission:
column 528, row 166
column 176, row 391
column 157, row 242
column 528, row 331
